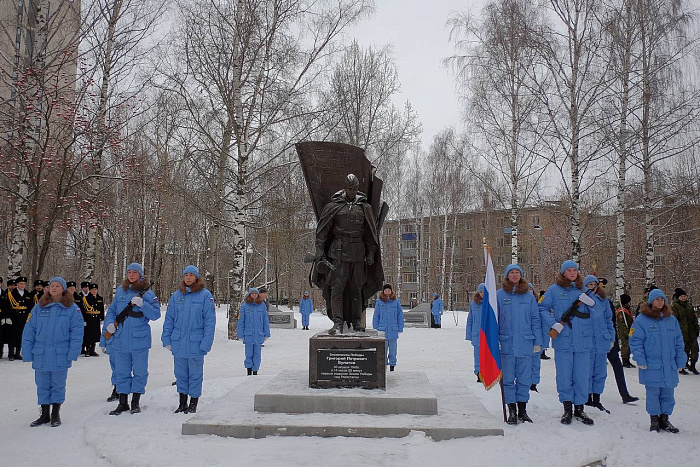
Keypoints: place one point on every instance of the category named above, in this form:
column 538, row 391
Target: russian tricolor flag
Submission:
column 489, row 354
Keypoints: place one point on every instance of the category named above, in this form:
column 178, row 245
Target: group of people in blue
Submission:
column 577, row 315
column 53, row 337
column 574, row 312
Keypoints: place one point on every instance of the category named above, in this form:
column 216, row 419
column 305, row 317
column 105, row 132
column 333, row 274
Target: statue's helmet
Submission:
column 352, row 181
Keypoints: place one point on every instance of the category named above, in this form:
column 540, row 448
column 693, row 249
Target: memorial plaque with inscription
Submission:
column 350, row 365
column 351, row 360
column 280, row 318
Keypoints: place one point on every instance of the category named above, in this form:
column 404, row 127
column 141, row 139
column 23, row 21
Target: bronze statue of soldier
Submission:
column 347, row 243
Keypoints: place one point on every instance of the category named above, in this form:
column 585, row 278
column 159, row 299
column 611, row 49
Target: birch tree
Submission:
column 247, row 66
column 497, row 57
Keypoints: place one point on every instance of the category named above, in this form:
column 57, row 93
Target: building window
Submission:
column 535, row 220
column 468, row 224
column 410, row 277
column 660, row 260
column 468, row 243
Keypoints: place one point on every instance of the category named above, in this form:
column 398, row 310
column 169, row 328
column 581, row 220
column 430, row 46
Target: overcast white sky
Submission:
column 416, row 30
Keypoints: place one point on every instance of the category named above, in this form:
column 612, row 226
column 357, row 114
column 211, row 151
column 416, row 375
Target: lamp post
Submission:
column 542, row 283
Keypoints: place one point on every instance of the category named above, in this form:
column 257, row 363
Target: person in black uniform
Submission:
column 93, row 310
column 6, row 321
column 37, row 292
column 20, row 303
column 614, row 357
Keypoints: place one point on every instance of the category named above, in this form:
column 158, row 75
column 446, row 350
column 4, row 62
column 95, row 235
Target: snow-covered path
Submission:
column 90, row 437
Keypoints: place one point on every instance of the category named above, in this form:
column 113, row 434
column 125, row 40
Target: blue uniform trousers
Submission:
column 437, row 318
column 517, row 373
column 477, row 366
column 305, row 320
column 252, row 356
column 51, row 386
column 189, row 373
column 132, row 371
column 660, row 400
column 536, row 365
column 391, row 351
column 573, row 373
column 112, row 365
column 599, row 372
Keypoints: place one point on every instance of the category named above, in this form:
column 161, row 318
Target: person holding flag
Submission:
column 489, row 353
column 474, row 325
column 571, row 330
column 520, row 338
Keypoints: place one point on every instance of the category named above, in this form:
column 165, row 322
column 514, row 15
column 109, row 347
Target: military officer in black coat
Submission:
column 93, row 310
column 20, row 304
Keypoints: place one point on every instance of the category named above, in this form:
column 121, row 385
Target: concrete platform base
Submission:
column 406, row 393
column 459, row 416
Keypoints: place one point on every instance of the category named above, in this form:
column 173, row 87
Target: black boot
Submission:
column 654, row 426
column 533, row 387
column 683, row 372
column 522, row 412
column 566, row 418
column 250, row 371
column 255, row 372
column 135, row 399
column 478, row 379
column 357, row 326
column 391, row 367
column 692, row 369
column 44, row 418
column 92, row 351
column 626, row 399
column 596, row 403
column 512, row 415
column 114, row 396
column 336, row 329
column 56, row 415
column 182, row 408
column 665, row 424
column 589, row 402
column 123, row 405
column 543, row 356
column 193, row 405
column 581, row 415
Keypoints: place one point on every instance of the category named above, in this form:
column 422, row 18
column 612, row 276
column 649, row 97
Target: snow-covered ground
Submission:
column 90, row 437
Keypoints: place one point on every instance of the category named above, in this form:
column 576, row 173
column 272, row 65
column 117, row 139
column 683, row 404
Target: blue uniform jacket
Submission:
column 388, row 317
column 53, row 336
column 189, row 323
column 437, row 306
column 474, row 323
column 134, row 333
column 306, row 306
column 254, row 323
column 658, row 345
column 601, row 317
column 519, row 326
column 558, row 299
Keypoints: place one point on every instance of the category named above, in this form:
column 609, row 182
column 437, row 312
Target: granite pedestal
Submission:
column 281, row 319
column 418, row 317
column 254, row 409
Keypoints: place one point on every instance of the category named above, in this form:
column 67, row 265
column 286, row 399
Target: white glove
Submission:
column 168, row 347
column 642, row 367
column 111, row 328
column 558, row 327
column 586, row 299
column 84, row 324
column 537, row 349
column 8, row 321
column 104, row 349
column 138, row 301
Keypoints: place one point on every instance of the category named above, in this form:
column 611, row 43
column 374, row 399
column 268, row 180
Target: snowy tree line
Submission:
column 133, row 131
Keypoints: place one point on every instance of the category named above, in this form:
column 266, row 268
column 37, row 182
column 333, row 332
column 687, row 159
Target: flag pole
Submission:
column 500, row 380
